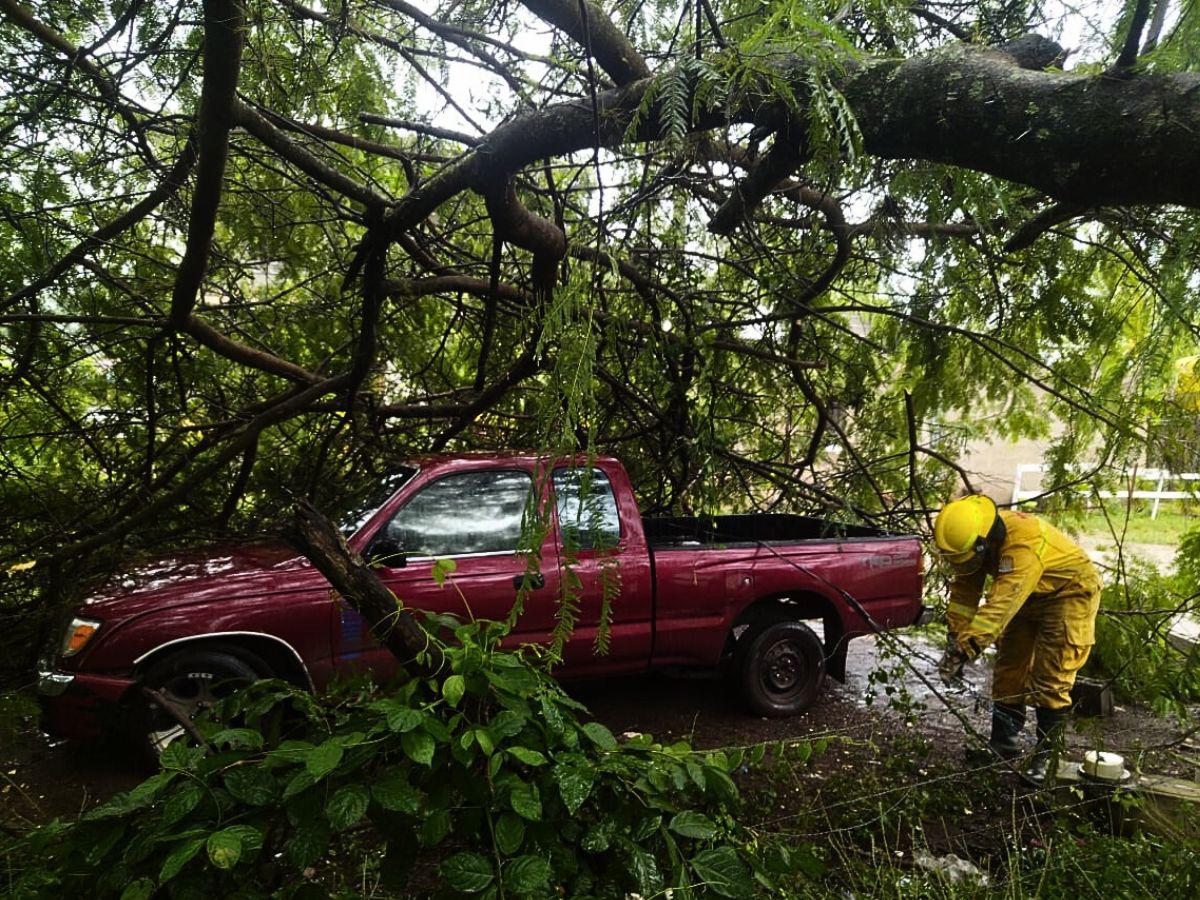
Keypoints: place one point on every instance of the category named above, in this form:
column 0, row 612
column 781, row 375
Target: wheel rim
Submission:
column 785, row 670
column 191, row 693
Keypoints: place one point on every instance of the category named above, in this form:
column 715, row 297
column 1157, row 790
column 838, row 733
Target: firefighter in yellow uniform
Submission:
column 1039, row 608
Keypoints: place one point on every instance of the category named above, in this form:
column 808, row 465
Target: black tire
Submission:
column 782, row 669
column 193, row 680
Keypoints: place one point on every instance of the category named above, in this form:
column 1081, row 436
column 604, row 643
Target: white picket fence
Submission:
column 1161, row 479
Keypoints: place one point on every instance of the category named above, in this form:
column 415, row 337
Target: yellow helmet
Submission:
column 961, row 531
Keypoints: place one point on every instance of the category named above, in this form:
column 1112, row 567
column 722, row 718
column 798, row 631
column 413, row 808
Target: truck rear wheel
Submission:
column 783, row 669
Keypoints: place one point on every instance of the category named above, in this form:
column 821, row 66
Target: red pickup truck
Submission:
column 714, row 592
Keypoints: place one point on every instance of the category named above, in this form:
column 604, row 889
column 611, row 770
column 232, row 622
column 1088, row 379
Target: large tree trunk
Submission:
column 1086, row 139
column 392, row 625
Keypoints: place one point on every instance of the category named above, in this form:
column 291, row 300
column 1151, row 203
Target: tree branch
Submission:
column 391, row 624
column 445, row 134
column 1133, row 39
column 784, row 157
column 515, row 224
column 611, row 48
column 1038, row 225
column 222, row 63
column 304, row 160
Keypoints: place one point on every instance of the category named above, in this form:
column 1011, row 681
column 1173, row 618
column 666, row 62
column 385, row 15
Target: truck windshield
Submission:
column 358, row 509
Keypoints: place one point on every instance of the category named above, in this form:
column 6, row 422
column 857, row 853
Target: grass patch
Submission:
column 861, row 820
column 1172, row 522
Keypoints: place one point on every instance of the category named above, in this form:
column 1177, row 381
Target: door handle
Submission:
column 534, row 581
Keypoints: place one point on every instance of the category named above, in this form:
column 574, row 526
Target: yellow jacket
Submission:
column 1036, row 560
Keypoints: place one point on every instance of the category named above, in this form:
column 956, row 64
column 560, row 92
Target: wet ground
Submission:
column 41, row 780
column 709, row 713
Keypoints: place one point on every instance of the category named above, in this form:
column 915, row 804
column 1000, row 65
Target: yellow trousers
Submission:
column 1045, row 645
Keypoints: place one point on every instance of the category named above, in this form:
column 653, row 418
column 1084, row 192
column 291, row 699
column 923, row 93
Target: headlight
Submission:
column 79, row 632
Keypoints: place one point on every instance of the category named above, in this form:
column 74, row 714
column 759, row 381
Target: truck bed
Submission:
column 684, row 532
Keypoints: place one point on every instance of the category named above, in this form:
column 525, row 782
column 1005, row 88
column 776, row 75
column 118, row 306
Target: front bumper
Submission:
column 80, row 705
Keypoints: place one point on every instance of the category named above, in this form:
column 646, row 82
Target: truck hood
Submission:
column 188, row 576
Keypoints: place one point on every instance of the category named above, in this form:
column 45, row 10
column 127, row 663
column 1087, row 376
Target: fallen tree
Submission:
column 231, row 236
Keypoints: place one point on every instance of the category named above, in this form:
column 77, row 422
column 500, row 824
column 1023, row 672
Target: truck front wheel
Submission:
column 783, row 669
column 191, row 681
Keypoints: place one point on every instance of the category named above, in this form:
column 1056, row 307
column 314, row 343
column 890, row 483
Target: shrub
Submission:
column 488, row 776
column 1131, row 644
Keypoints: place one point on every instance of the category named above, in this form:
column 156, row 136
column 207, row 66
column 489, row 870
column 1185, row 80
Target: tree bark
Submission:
column 392, row 625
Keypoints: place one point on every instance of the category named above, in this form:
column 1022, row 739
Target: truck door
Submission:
column 604, row 569
column 476, row 519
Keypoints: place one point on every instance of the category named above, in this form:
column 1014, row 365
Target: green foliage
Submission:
column 1187, row 563
column 1137, row 611
column 489, row 776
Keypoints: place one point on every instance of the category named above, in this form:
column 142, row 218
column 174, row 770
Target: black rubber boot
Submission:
column 1007, row 721
column 1005, row 742
column 1050, row 726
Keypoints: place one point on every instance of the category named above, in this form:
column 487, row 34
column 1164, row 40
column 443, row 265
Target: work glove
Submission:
column 950, row 666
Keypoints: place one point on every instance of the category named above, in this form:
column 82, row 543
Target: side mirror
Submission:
column 387, row 551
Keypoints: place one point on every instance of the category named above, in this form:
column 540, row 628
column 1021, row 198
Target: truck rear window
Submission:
column 587, row 509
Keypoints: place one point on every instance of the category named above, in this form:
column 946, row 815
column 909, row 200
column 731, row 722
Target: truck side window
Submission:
column 474, row 512
column 587, row 509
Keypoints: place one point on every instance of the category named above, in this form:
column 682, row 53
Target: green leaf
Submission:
column 142, row 889
column 308, row 843
column 138, row 798
column 723, row 871
column 177, row 755
column 442, row 568
column 574, row 784
column 527, row 874
column 506, row 723
column 526, row 801
column 403, row 718
column 184, row 799
column 598, row 837
column 551, row 714
column 435, row 828
column 600, row 736
column 453, row 689
column 436, row 729
column 251, row 784
column 646, row 827
column 300, row 782
column 527, row 756
column 393, row 792
column 468, row 873
column 418, row 746
column 720, row 785
column 238, row 738
column 347, row 806
column 251, row 837
column 323, row 759
column 179, row 857
column 644, row 869
column 693, row 825
column 521, row 682
column 225, row 848
column 484, row 739
column 510, row 833
column 98, row 848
